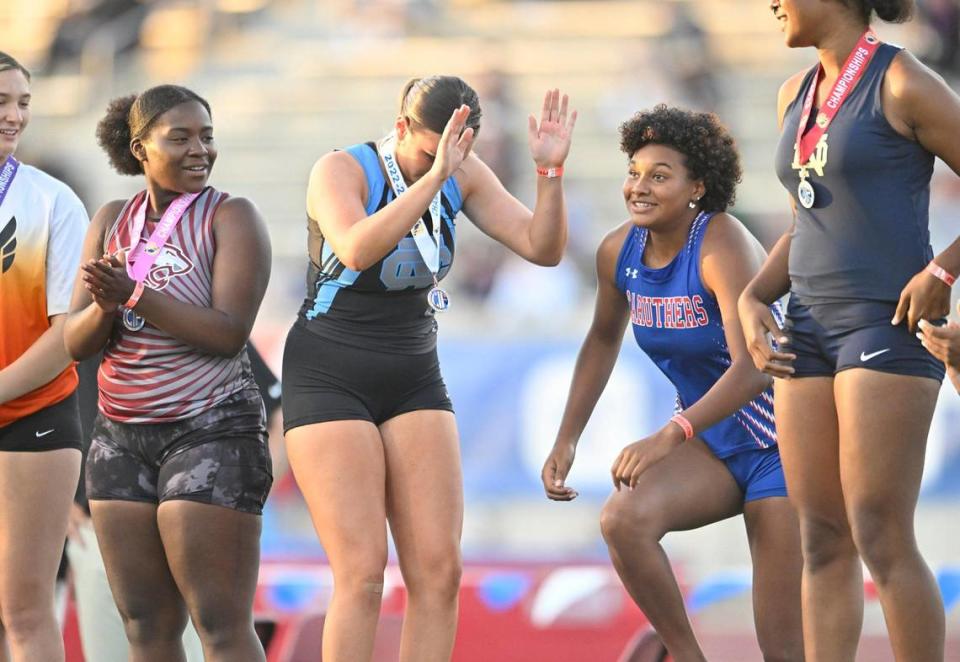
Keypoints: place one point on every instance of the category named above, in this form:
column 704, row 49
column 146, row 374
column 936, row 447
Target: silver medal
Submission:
column 806, row 194
column 438, row 299
column 132, row 321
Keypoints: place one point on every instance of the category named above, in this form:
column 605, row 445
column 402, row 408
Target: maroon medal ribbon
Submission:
column 852, row 71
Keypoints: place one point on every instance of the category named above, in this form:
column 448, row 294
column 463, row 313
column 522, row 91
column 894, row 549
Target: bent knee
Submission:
column 623, row 523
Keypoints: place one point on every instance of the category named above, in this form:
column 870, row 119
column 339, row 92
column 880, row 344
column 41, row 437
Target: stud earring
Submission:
column 693, row 203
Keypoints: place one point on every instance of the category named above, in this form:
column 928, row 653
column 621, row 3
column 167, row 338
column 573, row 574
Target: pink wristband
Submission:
column 941, row 273
column 550, row 173
column 135, row 297
column 684, row 424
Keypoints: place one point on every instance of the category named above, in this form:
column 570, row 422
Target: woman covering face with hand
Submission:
column 178, row 468
column 370, row 430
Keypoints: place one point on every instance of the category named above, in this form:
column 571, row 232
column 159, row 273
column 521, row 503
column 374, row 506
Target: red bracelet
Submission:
column 941, row 273
column 135, row 297
column 550, row 173
column 684, row 424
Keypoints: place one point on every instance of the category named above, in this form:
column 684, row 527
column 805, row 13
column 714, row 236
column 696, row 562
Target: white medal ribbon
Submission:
column 429, row 246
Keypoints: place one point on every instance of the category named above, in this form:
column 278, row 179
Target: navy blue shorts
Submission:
column 829, row 337
column 758, row 473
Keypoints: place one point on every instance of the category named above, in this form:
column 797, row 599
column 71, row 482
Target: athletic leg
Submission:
column 214, row 556
column 688, row 489
column 36, row 490
column 145, row 592
column 884, row 421
column 832, row 586
column 425, row 509
column 340, row 468
column 777, row 568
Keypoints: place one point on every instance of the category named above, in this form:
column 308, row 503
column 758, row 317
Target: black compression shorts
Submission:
column 324, row 380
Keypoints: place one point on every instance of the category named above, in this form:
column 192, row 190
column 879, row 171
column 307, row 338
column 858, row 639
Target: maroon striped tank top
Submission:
column 148, row 376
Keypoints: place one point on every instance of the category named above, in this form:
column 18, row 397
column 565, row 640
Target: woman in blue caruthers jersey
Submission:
column 674, row 271
column 370, row 430
column 860, row 132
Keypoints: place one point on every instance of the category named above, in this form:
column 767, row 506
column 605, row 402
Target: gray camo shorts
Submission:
column 219, row 457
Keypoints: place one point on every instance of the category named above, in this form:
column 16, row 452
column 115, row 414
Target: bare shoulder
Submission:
column 106, row 216
column 336, row 164
column 726, row 231
column 788, row 92
column 907, row 74
column 609, row 250
column 729, row 248
column 472, row 173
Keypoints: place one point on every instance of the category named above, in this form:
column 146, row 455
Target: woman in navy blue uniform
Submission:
column 370, row 432
column 674, row 271
column 860, row 131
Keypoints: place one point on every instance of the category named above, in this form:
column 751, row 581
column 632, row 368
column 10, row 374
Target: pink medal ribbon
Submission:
column 141, row 257
column 850, row 75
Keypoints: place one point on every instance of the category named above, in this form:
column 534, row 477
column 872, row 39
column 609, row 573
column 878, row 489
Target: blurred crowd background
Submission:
column 289, row 80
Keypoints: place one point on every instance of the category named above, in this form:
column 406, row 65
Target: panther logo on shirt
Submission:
column 170, row 263
column 8, row 244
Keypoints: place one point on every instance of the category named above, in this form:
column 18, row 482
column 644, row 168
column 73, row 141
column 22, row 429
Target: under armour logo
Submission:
column 8, row 244
column 632, row 273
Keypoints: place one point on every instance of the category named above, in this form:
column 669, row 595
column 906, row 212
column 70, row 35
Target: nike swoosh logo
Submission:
column 44, row 434
column 864, row 357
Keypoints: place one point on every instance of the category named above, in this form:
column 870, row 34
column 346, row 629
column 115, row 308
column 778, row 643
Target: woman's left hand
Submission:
column 107, row 279
column 641, row 455
column 925, row 297
column 550, row 140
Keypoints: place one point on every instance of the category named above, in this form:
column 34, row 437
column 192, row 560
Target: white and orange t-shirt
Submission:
column 42, row 225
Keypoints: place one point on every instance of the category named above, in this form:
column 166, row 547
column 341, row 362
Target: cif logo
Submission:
column 132, row 321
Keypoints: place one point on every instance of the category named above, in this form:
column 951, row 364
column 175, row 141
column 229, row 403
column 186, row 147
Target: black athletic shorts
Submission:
column 218, row 457
column 50, row 429
column 829, row 337
column 324, row 380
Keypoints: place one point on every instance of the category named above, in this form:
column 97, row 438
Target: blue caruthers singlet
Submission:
column 867, row 234
column 385, row 305
column 677, row 322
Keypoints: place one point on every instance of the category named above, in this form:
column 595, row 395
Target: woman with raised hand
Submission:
column 370, row 431
column 178, row 468
column 41, row 228
column 674, row 271
column 857, row 389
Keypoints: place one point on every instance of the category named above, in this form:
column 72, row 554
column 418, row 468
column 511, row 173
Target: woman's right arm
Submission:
column 336, row 191
column 598, row 355
column 90, row 322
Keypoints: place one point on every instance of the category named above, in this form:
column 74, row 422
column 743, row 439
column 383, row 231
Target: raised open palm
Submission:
column 550, row 139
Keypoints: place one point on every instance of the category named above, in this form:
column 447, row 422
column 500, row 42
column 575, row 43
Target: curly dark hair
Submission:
column 131, row 117
column 710, row 153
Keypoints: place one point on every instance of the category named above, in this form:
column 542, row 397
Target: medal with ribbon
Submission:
column 141, row 257
column 812, row 142
column 427, row 243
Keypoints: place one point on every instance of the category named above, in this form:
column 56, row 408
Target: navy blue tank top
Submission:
column 677, row 323
column 867, row 234
column 385, row 305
